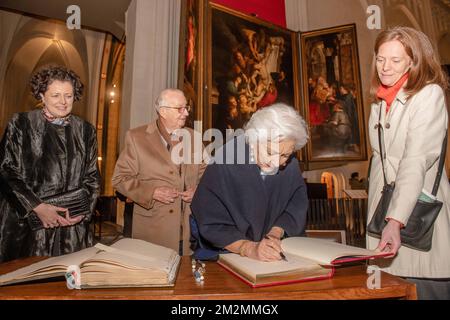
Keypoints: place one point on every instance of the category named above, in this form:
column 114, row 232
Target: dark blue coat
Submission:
column 234, row 202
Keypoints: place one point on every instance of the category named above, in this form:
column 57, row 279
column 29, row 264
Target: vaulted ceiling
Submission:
column 104, row 15
column 446, row 2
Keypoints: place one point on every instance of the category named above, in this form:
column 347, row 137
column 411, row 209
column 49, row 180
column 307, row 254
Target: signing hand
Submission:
column 390, row 238
column 276, row 233
column 49, row 216
column 188, row 194
column 265, row 250
column 165, row 195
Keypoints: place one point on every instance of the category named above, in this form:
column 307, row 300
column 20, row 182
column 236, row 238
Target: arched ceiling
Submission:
column 105, row 15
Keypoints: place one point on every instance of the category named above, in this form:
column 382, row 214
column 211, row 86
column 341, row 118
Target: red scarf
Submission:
column 388, row 94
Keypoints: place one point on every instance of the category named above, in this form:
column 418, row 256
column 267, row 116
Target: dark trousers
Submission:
column 432, row 289
column 180, row 248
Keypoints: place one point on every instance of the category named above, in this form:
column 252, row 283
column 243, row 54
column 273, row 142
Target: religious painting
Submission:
column 332, row 94
column 251, row 64
column 190, row 76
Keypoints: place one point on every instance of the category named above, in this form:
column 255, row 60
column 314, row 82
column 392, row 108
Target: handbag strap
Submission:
column 441, row 165
column 441, row 157
column 381, row 145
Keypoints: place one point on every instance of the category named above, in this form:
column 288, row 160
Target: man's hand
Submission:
column 165, row 195
column 188, row 194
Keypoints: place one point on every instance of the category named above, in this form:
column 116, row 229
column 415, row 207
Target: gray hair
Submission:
column 162, row 98
column 282, row 119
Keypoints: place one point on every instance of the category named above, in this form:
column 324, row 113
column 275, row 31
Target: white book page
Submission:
column 136, row 254
column 320, row 250
column 50, row 265
column 255, row 267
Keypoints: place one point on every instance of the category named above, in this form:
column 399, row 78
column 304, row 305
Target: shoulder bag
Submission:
column 418, row 232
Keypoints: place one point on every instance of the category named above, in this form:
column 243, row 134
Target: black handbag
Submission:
column 76, row 201
column 418, row 232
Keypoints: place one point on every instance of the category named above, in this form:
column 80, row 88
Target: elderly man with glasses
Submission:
column 147, row 174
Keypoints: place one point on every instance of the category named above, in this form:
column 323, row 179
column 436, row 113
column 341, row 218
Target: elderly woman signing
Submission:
column 248, row 206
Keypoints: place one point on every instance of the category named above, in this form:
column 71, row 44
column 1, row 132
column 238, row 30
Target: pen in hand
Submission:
column 281, row 253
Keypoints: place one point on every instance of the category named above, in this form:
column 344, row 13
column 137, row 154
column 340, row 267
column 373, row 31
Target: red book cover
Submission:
column 308, row 259
column 276, row 283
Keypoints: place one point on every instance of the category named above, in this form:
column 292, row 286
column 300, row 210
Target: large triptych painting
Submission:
column 191, row 45
column 234, row 64
column 253, row 64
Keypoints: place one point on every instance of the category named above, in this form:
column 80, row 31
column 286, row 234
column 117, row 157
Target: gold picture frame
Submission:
column 249, row 61
column 190, row 69
column 332, row 99
column 231, row 45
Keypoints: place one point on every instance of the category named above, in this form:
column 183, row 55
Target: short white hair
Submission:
column 162, row 100
column 281, row 118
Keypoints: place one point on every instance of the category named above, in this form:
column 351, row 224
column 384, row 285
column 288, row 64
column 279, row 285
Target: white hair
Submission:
column 282, row 119
column 162, row 100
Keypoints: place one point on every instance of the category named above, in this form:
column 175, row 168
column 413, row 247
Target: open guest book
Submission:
column 126, row 263
column 307, row 259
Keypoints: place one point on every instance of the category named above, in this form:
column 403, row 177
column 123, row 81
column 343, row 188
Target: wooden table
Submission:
column 347, row 283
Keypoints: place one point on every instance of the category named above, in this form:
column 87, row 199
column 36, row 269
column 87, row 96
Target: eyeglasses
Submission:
column 180, row 109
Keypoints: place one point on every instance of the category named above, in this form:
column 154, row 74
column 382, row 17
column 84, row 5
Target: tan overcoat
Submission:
column 143, row 165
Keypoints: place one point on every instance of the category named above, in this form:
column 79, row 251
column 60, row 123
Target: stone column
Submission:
column 151, row 59
column 297, row 15
column 428, row 21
